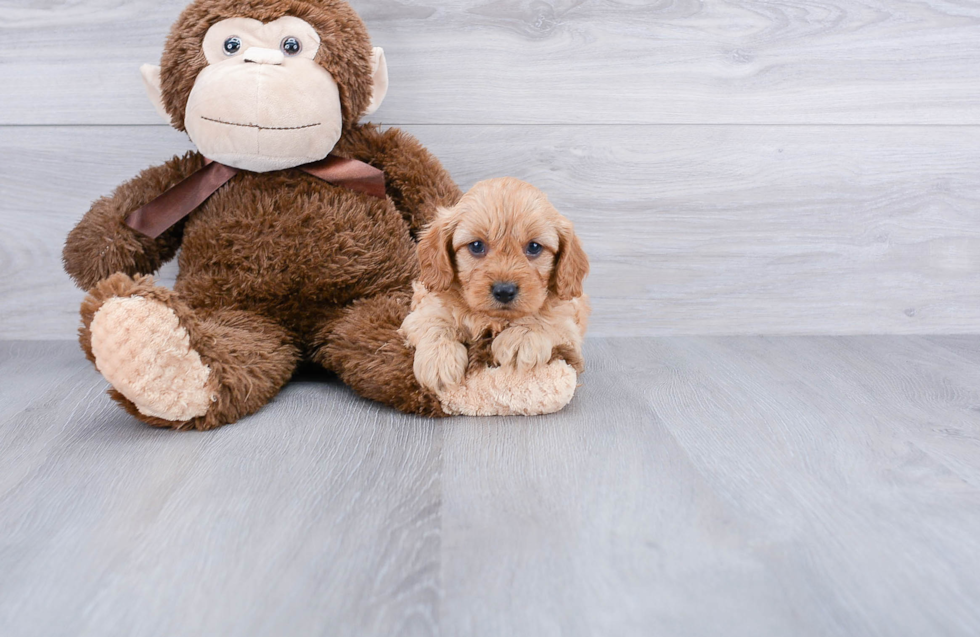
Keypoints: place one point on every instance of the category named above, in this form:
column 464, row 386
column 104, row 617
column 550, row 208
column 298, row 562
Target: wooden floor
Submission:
column 695, row 486
column 739, row 167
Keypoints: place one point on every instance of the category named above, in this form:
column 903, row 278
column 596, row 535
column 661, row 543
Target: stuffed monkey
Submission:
column 296, row 224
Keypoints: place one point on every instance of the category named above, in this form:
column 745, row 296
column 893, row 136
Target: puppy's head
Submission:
column 504, row 248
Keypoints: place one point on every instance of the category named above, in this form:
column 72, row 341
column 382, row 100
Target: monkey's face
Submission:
column 263, row 102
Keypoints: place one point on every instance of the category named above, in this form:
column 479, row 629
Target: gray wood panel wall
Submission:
column 733, row 167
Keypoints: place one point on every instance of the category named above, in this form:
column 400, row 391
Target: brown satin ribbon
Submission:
column 349, row 173
column 165, row 211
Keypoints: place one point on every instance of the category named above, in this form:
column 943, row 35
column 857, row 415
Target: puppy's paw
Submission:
column 440, row 364
column 522, row 348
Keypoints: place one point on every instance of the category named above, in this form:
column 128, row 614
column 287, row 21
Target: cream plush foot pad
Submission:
column 499, row 391
column 142, row 350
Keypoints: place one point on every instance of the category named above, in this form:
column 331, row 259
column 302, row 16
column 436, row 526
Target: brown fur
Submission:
column 454, row 303
column 345, row 50
column 277, row 267
column 251, row 358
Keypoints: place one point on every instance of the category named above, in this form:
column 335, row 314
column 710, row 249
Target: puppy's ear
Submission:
column 571, row 266
column 434, row 250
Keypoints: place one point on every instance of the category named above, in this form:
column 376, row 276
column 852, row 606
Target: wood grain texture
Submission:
column 736, row 486
column 691, row 229
column 698, row 486
column 554, row 61
column 318, row 517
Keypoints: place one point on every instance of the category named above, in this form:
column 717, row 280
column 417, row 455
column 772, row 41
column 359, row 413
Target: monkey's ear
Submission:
column 151, row 80
column 379, row 80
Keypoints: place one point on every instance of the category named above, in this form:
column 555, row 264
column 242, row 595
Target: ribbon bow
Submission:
column 162, row 213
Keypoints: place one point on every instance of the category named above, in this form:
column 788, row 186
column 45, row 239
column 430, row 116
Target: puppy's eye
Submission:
column 478, row 248
column 533, row 249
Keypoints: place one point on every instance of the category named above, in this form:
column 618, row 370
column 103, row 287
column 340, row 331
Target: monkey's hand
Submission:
column 102, row 244
column 522, row 347
column 571, row 354
column 440, row 363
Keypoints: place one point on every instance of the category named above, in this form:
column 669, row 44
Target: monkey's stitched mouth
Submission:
column 218, row 121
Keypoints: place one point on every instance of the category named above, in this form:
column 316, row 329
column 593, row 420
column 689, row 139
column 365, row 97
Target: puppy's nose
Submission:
column 504, row 292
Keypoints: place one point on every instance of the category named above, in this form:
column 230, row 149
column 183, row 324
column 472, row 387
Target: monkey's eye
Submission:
column 478, row 249
column 533, row 249
column 233, row 45
column 291, row 46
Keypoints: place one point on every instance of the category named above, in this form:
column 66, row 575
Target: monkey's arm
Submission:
column 415, row 179
column 102, row 244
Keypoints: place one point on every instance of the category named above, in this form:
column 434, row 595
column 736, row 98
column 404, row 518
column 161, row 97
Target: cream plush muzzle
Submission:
column 264, row 117
column 258, row 107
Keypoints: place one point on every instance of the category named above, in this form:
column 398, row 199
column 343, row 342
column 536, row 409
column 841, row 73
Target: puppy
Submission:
column 500, row 282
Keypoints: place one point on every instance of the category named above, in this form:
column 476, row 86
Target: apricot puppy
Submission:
column 504, row 267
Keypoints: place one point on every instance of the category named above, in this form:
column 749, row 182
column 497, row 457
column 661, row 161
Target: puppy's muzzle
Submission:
column 504, row 292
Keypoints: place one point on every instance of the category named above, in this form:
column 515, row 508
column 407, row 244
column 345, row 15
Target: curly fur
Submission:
column 455, row 315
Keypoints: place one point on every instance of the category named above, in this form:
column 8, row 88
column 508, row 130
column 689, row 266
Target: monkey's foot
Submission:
column 504, row 391
column 142, row 350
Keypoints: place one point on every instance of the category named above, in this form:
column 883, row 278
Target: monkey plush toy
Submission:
column 296, row 226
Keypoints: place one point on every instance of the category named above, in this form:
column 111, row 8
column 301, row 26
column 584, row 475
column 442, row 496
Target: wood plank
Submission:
column 473, row 62
column 320, row 512
column 736, row 486
column 708, row 229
